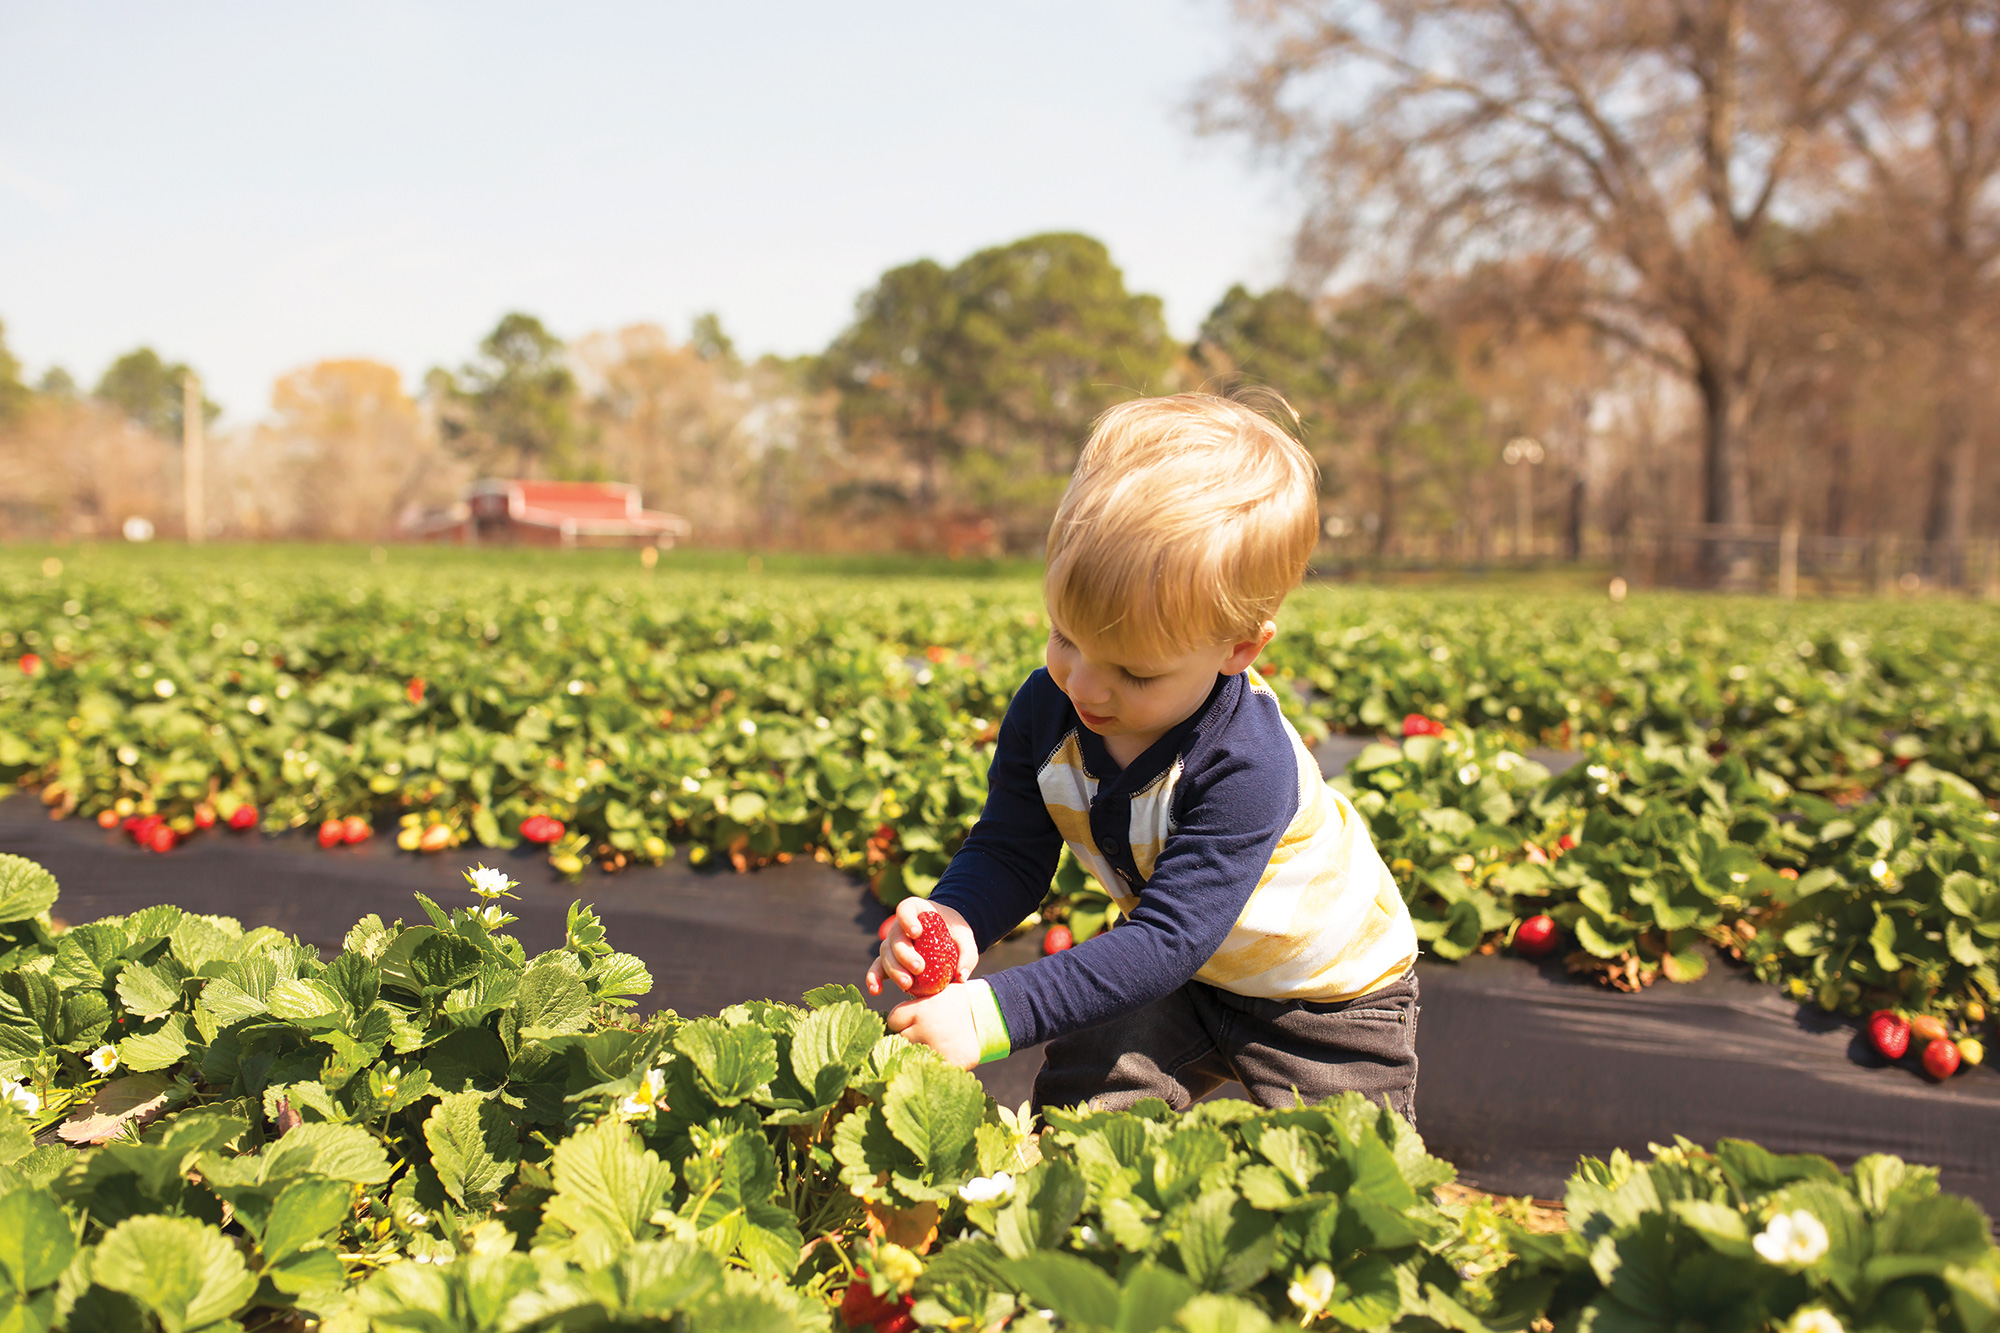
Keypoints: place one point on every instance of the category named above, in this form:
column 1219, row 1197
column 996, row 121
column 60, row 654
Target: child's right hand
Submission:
column 898, row 959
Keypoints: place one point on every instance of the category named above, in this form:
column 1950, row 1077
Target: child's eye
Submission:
column 1138, row 681
column 1056, row 636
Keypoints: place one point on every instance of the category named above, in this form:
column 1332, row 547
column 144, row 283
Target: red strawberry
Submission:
column 1536, row 937
column 107, row 819
column 940, row 955
column 541, row 828
column 141, row 827
column 415, row 689
column 243, row 817
column 356, row 829
column 1056, row 939
column 1566, row 842
column 898, row 1320
column 1416, row 724
column 1888, row 1033
column 859, row 1305
column 332, row 833
column 30, row 663
column 882, row 931
column 204, row 815
column 1941, row 1059
column 160, row 838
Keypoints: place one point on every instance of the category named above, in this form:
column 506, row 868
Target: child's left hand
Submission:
column 943, row 1023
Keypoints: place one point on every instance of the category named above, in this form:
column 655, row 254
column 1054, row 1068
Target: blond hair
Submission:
column 1186, row 522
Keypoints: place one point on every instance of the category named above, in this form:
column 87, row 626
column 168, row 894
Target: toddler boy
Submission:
column 1261, row 939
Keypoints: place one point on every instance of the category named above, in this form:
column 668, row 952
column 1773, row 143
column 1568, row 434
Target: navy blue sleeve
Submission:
column 1002, row 871
column 1232, row 815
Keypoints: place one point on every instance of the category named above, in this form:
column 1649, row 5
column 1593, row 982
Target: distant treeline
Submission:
column 1572, row 275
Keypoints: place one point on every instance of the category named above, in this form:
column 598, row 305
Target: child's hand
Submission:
column 943, row 1023
column 899, row 960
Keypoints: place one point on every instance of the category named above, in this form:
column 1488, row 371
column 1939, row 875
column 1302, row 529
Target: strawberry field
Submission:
column 1805, row 788
column 204, row 1127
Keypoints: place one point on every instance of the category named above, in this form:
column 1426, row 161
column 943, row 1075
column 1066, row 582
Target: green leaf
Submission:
column 616, row 978
column 829, row 1044
column 1226, row 1245
column 551, row 1002
column 1072, row 1287
column 933, row 1110
column 186, row 1272
column 26, row 890
column 344, row 1152
column 607, row 1186
column 1045, row 1205
column 474, row 1147
column 1222, row 1314
column 732, row 1062
column 36, row 1243
column 147, row 991
column 306, row 1211
column 162, row 1048
column 1149, row 1298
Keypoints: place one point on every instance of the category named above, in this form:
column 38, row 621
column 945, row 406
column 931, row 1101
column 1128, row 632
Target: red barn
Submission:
column 555, row 513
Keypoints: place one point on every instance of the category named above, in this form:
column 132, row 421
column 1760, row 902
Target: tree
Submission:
column 150, row 392
column 984, row 378
column 348, row 449
column 1277, row 339
column 13, row 393
column 515, row 403
column 1646, row 143
column 1930, row 137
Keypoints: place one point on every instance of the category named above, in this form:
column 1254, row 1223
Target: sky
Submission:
column 252, row 187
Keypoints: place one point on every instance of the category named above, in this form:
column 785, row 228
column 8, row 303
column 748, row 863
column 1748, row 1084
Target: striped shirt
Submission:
column 1232, row 862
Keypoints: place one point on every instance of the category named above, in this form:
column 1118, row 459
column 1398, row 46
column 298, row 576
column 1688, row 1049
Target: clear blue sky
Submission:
column 252, row 187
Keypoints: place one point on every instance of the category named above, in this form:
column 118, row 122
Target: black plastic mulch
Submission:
column 1523, row 1070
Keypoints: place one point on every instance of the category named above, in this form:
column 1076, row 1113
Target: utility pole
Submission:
column 1521, row 454
column 191, row 460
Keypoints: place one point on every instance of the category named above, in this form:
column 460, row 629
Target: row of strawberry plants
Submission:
column 204, row 1127
column 756, row 720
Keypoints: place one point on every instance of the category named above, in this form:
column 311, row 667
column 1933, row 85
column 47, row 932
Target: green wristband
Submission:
column 989, row 1025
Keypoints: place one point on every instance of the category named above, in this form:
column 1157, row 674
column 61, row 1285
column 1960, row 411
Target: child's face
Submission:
column 1139, row 701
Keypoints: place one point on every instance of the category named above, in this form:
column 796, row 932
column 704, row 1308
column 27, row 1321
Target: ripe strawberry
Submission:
column 204, row 816
column 160, row 838
column 1888, row 1033
column 332, row 833
column 356, row 829
column 141, row 827
column 1056, row 939
column 1416, row 724
column 30, row 663
column 898, row 1320
column 1566, row 842
column 541, row 828
column 243, row 817
column 1926, row 1028
column 1941, row 1060
column 107, row 818
column 940, row 955
column 860, row 1306
column 414, row 691
column 1536, row 937
column 1786, row 872
column 436, row 837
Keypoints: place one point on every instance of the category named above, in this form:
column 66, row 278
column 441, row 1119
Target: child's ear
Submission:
column 1243, row 653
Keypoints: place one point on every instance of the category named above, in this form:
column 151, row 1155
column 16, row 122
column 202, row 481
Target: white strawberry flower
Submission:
column 1814, row 1319
column 21, row 1097
column 690, row 786
column 646, row 1099
column 1792, row 1240
column 1312, row 1290
column 489, row 883
column 104, row 1059
column 164, row 688
column 1468, row 774
column 987, row 1189
column 747, row 727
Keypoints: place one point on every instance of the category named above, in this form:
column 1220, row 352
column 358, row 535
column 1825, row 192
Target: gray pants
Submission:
column 1183, row 1047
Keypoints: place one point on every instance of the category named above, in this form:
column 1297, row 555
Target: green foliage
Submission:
column 383, row 1141
column 513, row 409
column 150, row 391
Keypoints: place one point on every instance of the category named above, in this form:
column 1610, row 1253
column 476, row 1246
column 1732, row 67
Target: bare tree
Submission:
column 1650, row 147
column 1930, row 136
